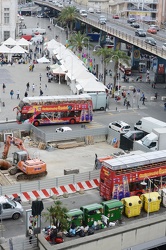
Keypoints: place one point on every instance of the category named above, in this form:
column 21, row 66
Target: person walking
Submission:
column 165, row 106
column 33, row 87
column 3, row 87
column 18, row 94
column 40, row 77
column 156, row 95
column 11, row 93
column 27, row 86
column 143, row 100
column 26, row 94
column 41, row 92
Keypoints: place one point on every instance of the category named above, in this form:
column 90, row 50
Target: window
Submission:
column 6, row 35
column 6, row 15
column 6, row 206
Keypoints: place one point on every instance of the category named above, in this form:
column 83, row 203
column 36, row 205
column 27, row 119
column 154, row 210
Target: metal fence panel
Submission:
column 7, row 126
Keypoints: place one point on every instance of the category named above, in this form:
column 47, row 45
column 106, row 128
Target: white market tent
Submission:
column 4, row 49
column 18, row 50
column 43, row 60
column 10, row 42
column 59, row 71
column 23, row 42
column 91, row 85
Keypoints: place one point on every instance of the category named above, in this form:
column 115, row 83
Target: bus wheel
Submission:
column 72, row 121
column 102, row 108
column 36, row 123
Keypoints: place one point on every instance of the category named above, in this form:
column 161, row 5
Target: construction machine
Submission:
column 23, row 167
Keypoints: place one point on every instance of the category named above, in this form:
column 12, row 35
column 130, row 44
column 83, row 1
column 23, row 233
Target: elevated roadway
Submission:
column 120, row 29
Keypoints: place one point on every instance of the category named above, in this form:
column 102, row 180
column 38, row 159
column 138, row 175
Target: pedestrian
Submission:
column 156, row 95
column 41, row 92
column 143, row 100
column 125, row 101
column 18, row 94
column 3, row 87
column 142, row 96
column 40, row 77
column 27, row 86
column 30, row 233
column 165, row 106
column 26, row 94
column 11, row 93
column 45, row 86
column 33, row 87
column 33, row 67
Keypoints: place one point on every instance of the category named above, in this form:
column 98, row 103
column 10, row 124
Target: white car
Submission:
column 98, row 11
column 164, row 46
column 60, row 5
column 63, row 129
column 83, row 13
column 120, row 126
column 91, row 10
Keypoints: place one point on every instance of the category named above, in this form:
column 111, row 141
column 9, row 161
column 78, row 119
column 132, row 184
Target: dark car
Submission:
column 135, row 25
column 135, row 135
column 131, row 20
column 140, row 32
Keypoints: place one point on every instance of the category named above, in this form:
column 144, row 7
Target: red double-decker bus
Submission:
column 42, row 110
column 122, row 177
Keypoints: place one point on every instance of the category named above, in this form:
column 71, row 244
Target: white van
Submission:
column 10, row 209
column 83, row 13
column 37, row 39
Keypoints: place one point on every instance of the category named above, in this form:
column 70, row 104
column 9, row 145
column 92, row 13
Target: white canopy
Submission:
column 23, row 42
column 4, row 49
column 43, row 60
column 18, row 50
column 91, row 85
column 10, row 42
column 58, row 70
column 52, row 44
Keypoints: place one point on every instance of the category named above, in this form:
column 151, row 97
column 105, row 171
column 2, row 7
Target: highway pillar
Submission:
column 160, row 75
column 135, row 58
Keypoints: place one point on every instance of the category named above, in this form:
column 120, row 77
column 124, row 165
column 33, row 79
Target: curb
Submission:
column 58, row 191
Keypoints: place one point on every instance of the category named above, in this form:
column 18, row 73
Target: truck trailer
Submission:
column 147, row 124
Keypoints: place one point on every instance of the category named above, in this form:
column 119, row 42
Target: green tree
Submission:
column 78, row 41
column 105, row 54
column 117, row 56
column 56, row 215
column 68, row 16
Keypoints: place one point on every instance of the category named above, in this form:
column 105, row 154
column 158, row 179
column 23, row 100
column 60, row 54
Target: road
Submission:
column 116, row 23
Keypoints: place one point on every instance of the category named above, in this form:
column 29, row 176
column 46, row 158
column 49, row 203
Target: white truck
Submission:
column 147, row 124
column 99, row 100
column 156, row 140
column 28, row 31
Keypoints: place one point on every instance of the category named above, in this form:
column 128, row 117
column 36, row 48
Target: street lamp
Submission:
column 145, row 184
column 96, row 47
column 118, row 69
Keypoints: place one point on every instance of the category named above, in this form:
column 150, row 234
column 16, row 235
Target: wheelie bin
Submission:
column 74, row 217
column 132, row 206
column 92, row 213
column 113, row 209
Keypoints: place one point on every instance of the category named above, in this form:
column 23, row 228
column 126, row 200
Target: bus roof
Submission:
column 131, row 161
column 59, row 98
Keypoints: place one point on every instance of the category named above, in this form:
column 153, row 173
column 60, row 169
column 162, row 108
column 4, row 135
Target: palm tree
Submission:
column 68, row 16
column 117, row 56
column 105, row 53
column 56, row 215
column 78, row 41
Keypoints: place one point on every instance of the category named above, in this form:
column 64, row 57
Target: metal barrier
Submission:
column 49, row 183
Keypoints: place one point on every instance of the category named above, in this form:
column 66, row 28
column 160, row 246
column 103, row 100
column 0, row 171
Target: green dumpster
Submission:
column 74, row 217
column 92, row 213
column 113, row 209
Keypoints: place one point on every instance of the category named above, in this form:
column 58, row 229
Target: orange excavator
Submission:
column 23, row 167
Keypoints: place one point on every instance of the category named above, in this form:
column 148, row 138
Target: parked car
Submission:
column 131, row 20
column 91, row 10
column 150, row 40
column 115, row 16
column 154, row 26
column 120, row 126
column 83, row 13
column 135, row 135
column 102, row 20
column 164, row 46
column 63, row 129
column 135, row 25
column 140, row 32
column 152, row 30
column 98, row 11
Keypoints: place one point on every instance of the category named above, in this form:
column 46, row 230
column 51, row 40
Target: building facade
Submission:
column 8, row 19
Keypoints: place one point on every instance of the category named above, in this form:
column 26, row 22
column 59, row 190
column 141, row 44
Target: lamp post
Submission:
column 96, row 47
column 118, row 69
column 145, row 184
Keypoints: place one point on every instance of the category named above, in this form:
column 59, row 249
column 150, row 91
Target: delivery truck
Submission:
column 147, row 124
column 154, row 141
column 99, row 100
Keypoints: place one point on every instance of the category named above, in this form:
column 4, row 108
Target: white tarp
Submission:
column 43, row 60
column 18, row 50
column 23, row 42
column 10, row 42
column 4, row 49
